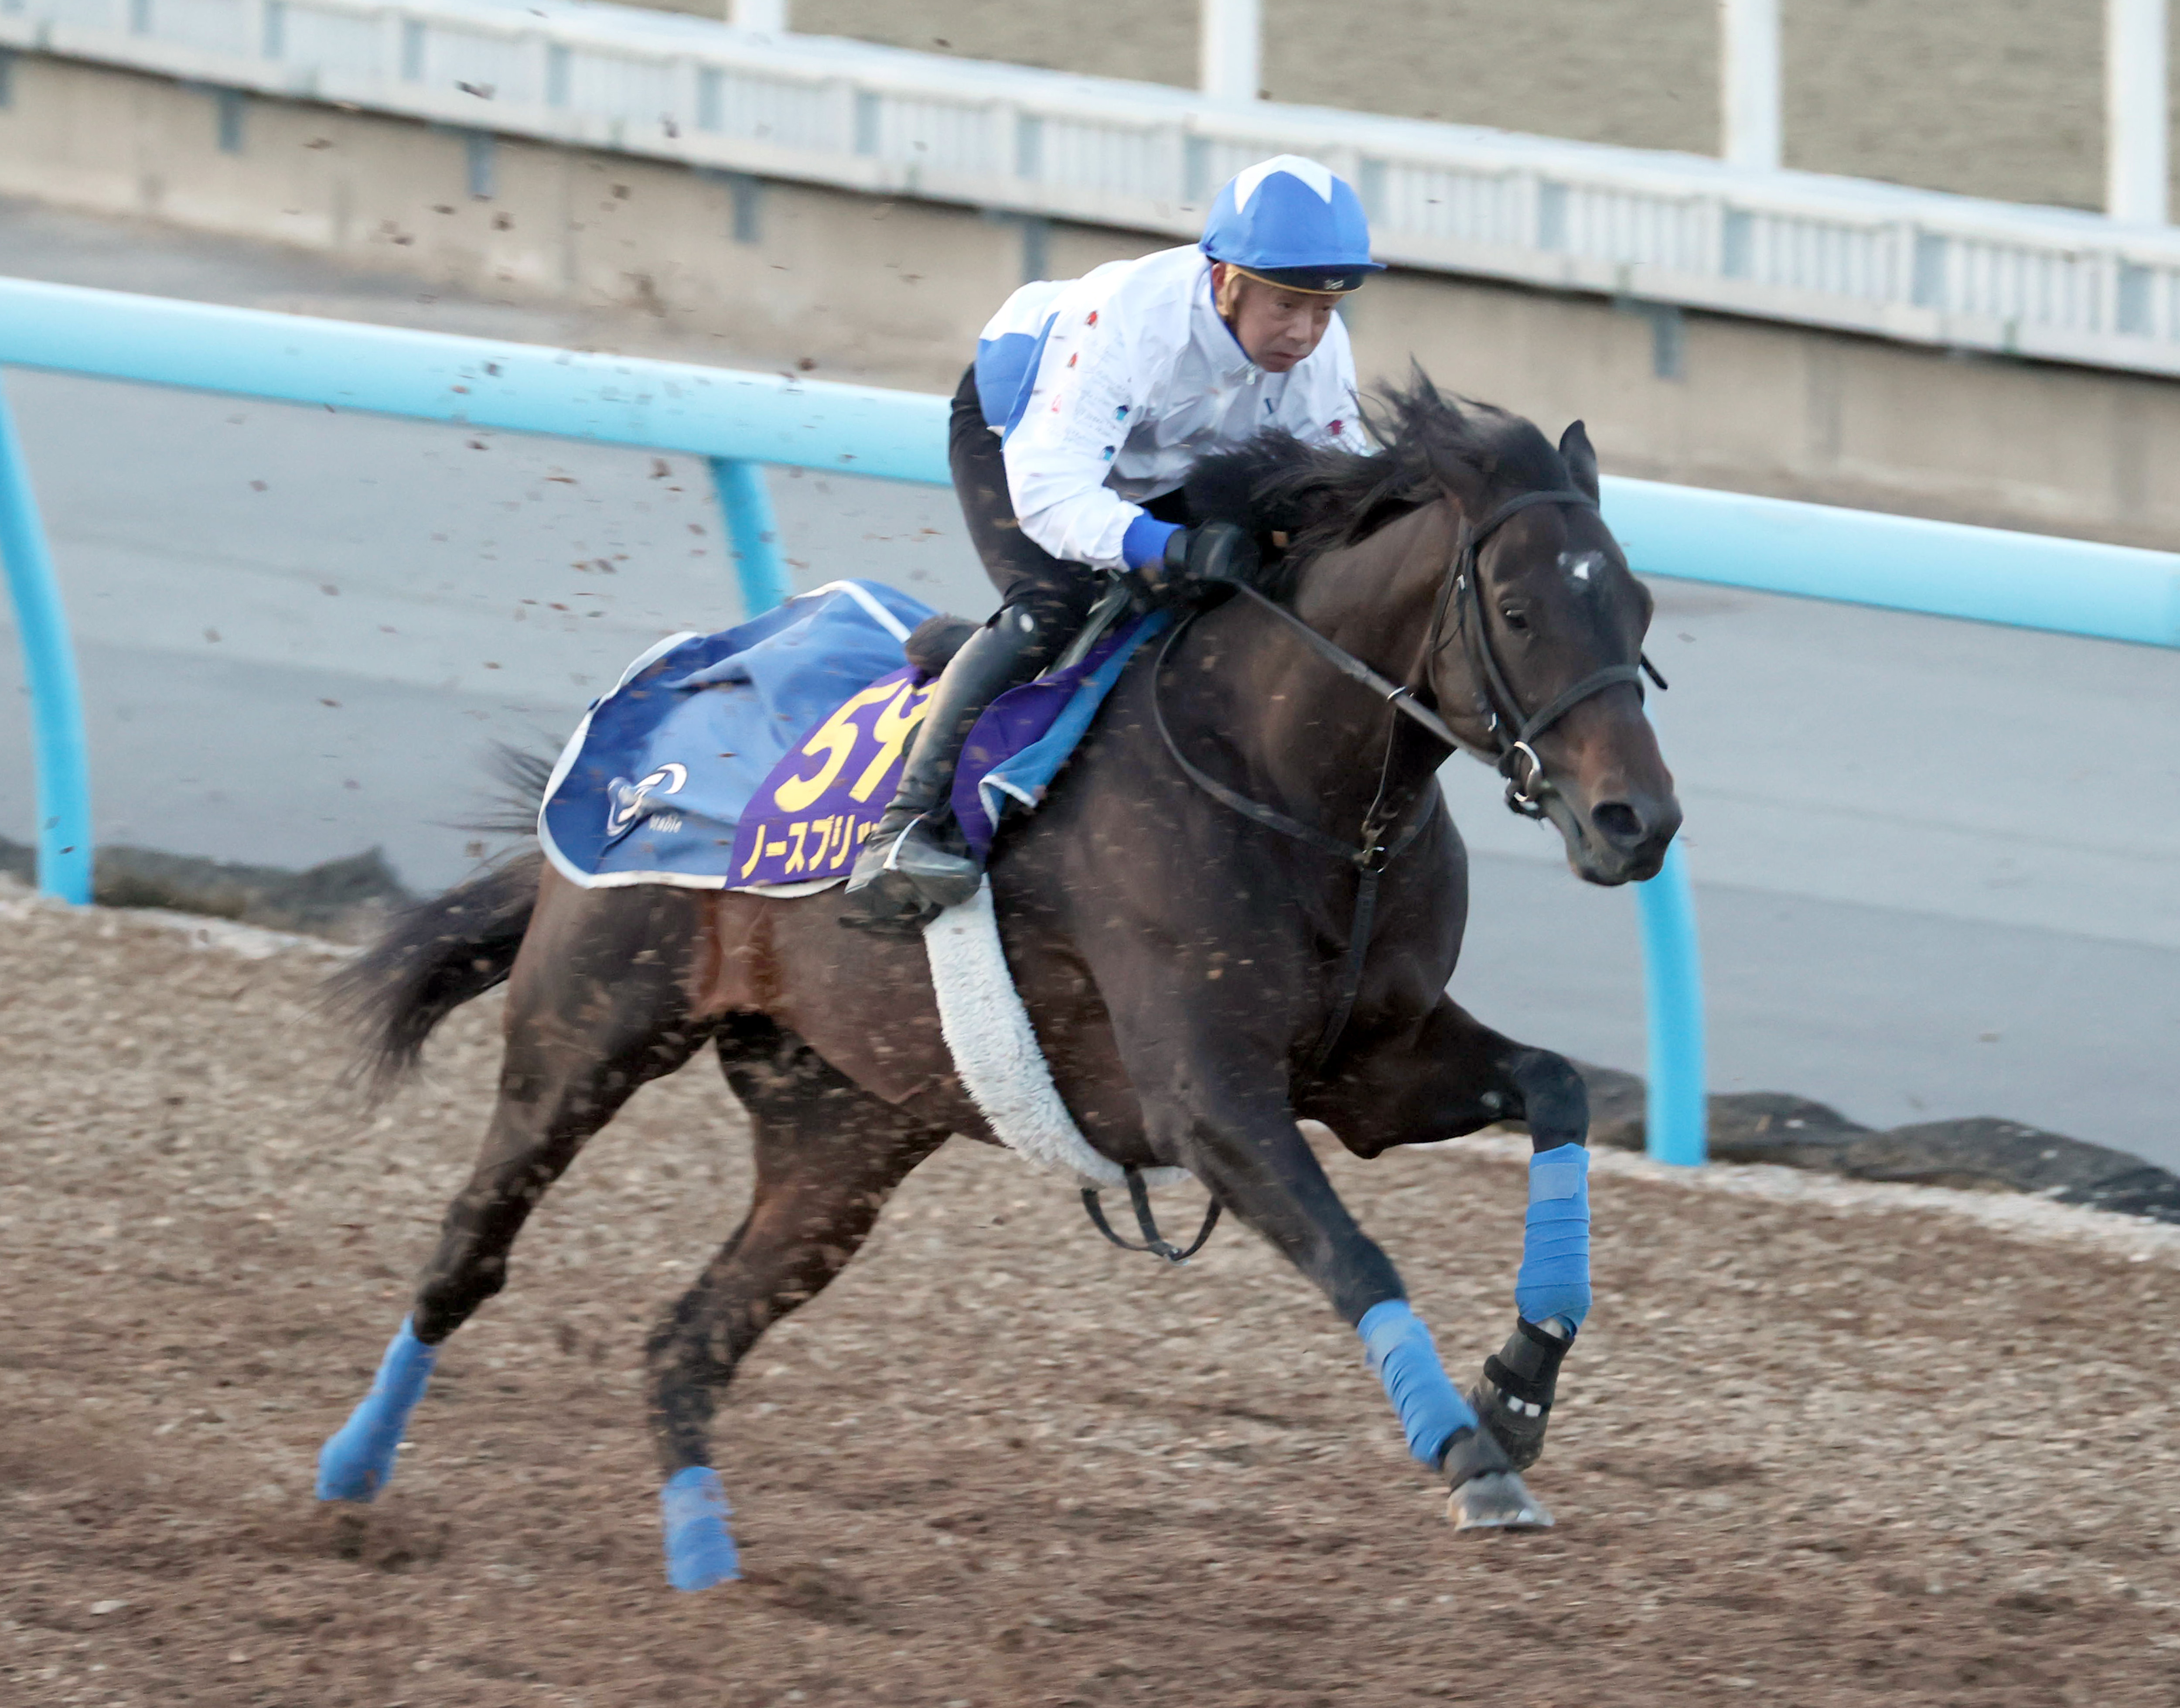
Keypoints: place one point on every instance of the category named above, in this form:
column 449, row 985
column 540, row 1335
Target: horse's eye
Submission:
column 1518, row 620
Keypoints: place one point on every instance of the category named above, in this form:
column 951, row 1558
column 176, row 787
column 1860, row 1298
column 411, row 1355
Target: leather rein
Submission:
column 1512, row 732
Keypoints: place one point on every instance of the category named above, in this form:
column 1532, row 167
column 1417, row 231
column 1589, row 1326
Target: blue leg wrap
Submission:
column 357, row 1461
column 1399, row 1347
column 1554, row 1280
column 700, row 1550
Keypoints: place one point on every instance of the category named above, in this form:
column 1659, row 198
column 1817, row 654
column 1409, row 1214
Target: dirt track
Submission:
column 1812, row 1453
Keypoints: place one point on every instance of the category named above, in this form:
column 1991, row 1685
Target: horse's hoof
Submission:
column 357, row 1460
column 700, row 1549
column 1496, row 1500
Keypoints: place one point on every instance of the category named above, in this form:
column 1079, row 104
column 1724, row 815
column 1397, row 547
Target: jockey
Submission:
column 1088, row 403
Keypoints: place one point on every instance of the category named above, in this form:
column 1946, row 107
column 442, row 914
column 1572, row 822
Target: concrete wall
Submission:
column 657, row 258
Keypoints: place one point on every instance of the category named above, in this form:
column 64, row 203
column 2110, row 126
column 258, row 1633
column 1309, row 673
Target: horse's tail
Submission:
column 439, row 954
column 432, row 958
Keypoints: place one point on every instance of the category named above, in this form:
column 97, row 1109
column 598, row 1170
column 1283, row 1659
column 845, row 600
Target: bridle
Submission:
column 1510, row 729
column 1512, row 732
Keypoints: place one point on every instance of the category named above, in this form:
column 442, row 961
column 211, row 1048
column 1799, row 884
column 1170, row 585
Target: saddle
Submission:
column 758, row 759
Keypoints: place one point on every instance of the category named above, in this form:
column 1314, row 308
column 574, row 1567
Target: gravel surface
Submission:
column 1822, row 1443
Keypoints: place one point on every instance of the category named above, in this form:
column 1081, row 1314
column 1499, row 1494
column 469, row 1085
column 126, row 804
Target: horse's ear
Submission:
column 1581, row 460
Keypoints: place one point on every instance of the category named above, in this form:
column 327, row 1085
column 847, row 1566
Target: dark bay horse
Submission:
column 1179, row 917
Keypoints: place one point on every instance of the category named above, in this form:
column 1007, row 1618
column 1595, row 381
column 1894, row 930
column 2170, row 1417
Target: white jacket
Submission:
column 1107, row 389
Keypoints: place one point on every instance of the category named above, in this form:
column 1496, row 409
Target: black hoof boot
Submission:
column 1488, row 1493
column 1515, row 1397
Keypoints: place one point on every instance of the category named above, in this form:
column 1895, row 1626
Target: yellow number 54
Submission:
column 836, row 738
column 891, row 728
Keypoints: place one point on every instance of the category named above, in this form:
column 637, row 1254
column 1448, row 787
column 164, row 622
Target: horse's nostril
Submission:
column 1618, row 822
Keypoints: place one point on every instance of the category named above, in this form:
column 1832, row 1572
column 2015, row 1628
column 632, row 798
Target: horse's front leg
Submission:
column 1217, row 1106
column 1452, row 1074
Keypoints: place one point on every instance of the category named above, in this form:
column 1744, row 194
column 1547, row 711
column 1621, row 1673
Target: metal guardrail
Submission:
column 740, row 420
column 1911, row 265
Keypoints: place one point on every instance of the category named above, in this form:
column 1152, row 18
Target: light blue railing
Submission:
column 740, row 421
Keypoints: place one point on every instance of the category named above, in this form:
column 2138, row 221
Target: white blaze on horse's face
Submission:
column 1578, row 564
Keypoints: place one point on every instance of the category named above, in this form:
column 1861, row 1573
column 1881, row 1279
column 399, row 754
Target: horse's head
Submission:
column 1535, row 649
column 1467, row 560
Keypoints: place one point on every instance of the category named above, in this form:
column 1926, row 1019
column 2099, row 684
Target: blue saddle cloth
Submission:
column 759, row 758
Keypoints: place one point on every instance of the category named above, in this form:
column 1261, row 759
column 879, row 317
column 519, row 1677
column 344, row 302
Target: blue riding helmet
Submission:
column 1289, row 221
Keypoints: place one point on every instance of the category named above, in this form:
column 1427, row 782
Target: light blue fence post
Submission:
column 1672, row 990
column 60, row 752
column 745, row 501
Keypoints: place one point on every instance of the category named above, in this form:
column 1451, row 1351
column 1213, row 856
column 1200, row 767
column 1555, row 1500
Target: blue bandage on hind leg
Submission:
column 357, row 1461
column 700, row 1549
column 1399, row 1347
column 1554, row 1280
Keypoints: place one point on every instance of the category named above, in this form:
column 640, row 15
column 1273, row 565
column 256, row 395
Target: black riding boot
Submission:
column 906, row 872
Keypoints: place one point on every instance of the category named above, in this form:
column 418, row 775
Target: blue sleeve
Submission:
column 1144, row 542
column 1006, row 372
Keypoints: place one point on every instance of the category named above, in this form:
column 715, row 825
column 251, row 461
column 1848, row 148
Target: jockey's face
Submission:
column 1276, row 327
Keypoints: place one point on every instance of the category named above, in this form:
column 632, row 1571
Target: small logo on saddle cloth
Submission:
column 815, row 809
column 628, row 802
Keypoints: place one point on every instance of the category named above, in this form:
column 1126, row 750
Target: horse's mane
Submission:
column 1320, row 497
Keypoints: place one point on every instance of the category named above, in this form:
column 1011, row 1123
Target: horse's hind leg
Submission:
column 595, row 1007
column 827, row 1157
